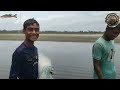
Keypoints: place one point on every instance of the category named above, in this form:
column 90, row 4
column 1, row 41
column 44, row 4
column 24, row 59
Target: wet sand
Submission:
column 57, row 37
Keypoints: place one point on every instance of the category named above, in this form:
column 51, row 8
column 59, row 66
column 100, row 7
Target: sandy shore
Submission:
column 58, row 37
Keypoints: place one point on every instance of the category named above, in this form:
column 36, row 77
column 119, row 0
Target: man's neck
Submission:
column 28, row 43
column 105, row 37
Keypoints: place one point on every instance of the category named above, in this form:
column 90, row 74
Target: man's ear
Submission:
column 23, row 31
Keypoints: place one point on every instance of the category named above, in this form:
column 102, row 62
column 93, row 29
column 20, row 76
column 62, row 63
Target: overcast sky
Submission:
column 58, row 20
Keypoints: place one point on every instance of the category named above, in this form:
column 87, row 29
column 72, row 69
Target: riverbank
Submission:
column 57, row 37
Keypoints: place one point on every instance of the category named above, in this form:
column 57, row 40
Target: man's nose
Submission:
column 34, row 31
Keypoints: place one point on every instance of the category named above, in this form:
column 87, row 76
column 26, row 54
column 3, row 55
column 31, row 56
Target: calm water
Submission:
column 71, row 60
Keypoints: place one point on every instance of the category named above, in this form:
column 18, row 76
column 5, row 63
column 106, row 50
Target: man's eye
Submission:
column 37, row 30
column 30, row 29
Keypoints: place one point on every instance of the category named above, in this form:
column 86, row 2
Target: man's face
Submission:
column 32, row 32
column 112, row 34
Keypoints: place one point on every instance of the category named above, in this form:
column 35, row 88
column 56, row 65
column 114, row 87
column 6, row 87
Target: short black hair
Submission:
column 116, row 27
column 29, row 22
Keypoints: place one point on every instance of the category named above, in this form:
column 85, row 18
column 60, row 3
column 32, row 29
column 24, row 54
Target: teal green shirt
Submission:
column 104, row 51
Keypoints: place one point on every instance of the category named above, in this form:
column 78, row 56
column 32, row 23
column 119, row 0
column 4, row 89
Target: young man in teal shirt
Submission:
column 103, row 54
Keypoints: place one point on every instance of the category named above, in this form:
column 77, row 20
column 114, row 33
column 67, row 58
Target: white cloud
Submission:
column 56, row 20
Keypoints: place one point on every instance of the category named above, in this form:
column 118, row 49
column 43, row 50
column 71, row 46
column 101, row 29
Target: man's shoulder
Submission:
column 35, row 48
column 98, row 41
column 20, row 49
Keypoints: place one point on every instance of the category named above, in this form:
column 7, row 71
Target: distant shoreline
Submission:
column 57, row 37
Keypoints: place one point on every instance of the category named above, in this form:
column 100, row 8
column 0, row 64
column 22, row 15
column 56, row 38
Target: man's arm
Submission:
column 97, row 68
column 97, row 55
column 15, row 67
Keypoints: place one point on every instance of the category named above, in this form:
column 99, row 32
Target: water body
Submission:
column 71, row 60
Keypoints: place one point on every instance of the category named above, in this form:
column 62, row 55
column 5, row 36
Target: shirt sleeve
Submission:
column 97, row 51
column 15, row 67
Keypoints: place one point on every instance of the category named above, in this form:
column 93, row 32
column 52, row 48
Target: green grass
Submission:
column 57, row 37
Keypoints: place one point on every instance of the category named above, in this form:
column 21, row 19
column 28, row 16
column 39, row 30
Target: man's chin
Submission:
column 112, row 38
column 33, row 40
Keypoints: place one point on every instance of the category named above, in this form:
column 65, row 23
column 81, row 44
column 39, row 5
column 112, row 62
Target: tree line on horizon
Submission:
column 52, row 32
